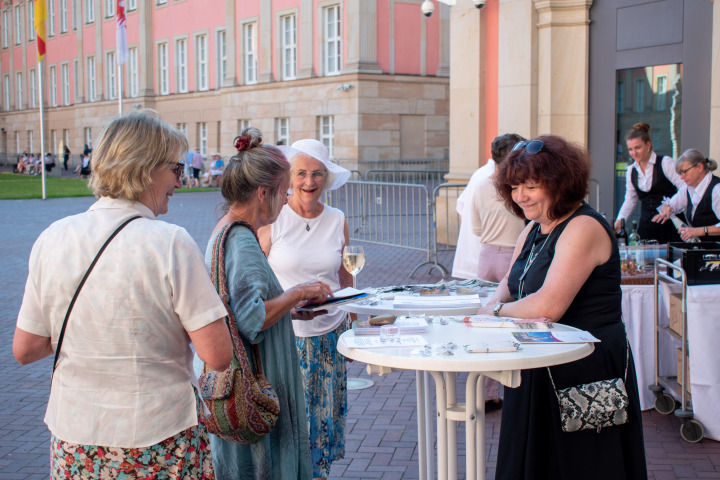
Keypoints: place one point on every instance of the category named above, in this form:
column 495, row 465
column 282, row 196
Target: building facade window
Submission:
column 183, row 128
column 282, row 131
column 31, row 20
column 202, row 136
column 202, row 67
column 109, row 8
column 326, row 130
column 6, row 92
column 89, row 11
column 76, row 83
column 31, row 140
column 63, row 16
column 18, row 91
column 131, row 5
column 661, row 93
column 288, row 25
column 90, row 71
column 163, row 81
column 181, row 67
column 87, row 135
column 639, row 95
column 161, row 2
column 17, row 142
column 5, row 29
column 242, row 125
column 52, row 86
column 18, row 25
column 332, row 43
column 110, row 75
column 133, row 75
column 51, row 17
column 620, row 97
column 221, row 53
column 250, row 37
column 32, row 92
column 53, row 141
column 65, row 83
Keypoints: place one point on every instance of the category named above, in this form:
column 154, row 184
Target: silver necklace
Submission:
column 531, row 259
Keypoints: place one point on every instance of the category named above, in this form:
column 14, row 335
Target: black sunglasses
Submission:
column 178, row 169
column 532, row 147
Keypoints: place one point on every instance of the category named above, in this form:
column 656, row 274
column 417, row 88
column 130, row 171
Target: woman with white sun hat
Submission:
column 306, row 243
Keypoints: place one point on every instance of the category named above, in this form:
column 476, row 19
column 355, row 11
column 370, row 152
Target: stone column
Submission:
column 361, row 36
column 265, row 50
column 563, row 66
column 467, row 90
column 517, row 68
column 305, row 40
column 715, row 88
column 230, row 45
column 146, row 49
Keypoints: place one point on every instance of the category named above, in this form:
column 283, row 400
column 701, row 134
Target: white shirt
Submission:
column 645, row 180
column 678, row 202
column 124, row 376
column 299, row 255
column 467, row 251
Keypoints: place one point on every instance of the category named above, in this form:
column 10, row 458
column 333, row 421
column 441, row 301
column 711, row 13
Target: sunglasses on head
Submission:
column 177, row 169
column 532, row 147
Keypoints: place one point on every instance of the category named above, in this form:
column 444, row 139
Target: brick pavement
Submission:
column 381, row 430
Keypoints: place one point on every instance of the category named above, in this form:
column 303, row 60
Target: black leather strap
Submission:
column 82, row 282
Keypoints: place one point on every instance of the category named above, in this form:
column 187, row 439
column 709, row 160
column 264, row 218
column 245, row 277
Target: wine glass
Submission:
column 353, row 260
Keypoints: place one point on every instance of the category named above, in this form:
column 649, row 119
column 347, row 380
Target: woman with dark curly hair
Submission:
column 566, row 267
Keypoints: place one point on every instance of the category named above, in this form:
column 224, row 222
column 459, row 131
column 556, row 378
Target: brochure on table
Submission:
column 491, row 321
column 555, row 337
column 371, row 341
column 436, row 301
column 405, row 325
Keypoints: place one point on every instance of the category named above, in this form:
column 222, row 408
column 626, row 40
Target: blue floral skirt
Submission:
column 325, row 381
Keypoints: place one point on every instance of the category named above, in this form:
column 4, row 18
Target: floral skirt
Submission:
column 183, row 456
column 325, row 381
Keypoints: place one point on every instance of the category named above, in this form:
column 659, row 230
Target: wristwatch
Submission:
column 706, row 232
column 498, row 307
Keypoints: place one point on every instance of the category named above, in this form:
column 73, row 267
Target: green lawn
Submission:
column 13, row 187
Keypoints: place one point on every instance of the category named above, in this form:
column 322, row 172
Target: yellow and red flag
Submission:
column 40, row 16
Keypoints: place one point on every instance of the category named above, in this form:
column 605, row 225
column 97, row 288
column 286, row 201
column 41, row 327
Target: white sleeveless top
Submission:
column 298, row 255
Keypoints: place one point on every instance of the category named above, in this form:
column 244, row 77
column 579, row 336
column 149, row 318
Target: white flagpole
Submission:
column 120, row 91
column 42, row 129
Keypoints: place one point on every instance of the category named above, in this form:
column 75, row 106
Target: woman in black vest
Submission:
column 650, row 179
column 699, row 198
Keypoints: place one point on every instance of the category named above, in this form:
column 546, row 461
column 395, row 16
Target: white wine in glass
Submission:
column 353, row 261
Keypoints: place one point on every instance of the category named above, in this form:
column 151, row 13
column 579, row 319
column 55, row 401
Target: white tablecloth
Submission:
column 703, row 331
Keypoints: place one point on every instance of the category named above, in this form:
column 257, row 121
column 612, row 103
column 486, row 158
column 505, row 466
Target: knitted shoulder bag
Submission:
column 243, row 404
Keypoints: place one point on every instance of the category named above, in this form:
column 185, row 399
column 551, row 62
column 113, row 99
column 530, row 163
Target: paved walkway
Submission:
column 381, row 433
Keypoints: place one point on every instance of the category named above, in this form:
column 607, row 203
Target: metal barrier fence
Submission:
column 401, row 215
column 429, row 178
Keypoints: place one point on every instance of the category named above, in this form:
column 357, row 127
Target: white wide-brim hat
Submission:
column 336, row 176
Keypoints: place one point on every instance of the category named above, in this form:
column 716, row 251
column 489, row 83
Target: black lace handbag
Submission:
column 592, row 406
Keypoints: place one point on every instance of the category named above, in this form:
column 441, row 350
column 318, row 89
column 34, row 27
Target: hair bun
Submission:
column 642, row 127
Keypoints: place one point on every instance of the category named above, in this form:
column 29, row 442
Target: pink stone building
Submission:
column 367, row 77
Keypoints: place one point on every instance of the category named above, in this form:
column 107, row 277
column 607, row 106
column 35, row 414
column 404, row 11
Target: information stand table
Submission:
column 503, row 367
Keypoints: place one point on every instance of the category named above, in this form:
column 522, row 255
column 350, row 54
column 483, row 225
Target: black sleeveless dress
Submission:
column 532, row 443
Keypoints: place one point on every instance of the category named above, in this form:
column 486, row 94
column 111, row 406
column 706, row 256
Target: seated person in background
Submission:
column 32, row 164
column 49, row 162
column 216, row 170
column 21, row 165
column 699, row 198
column 566, row 267
column 83, row 170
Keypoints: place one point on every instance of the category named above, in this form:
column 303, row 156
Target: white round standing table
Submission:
column 503, row 367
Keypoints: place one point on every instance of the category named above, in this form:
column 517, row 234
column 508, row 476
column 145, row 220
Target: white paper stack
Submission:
column 436, row 301
column 374, row 342
column 406, row 325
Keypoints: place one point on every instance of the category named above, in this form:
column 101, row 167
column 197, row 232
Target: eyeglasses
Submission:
column 177, row 169
column 683, row 172
column 532, row 147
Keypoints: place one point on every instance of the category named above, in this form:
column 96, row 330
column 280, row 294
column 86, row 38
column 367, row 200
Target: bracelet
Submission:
column 706, row 231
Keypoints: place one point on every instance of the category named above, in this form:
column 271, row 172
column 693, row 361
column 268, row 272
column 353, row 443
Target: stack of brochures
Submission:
column 406, row 325
column 491, row 321
column 436, row 301
column 556, row 336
